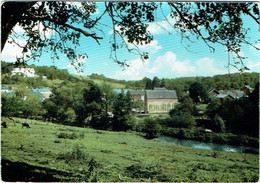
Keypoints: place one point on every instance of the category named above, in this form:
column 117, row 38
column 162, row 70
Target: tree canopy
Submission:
column 220, row 23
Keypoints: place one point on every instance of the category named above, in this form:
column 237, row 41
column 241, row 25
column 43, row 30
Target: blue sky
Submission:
column 169, row 57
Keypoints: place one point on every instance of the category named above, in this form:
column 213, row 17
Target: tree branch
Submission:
column 85, row 33
column 192, row 26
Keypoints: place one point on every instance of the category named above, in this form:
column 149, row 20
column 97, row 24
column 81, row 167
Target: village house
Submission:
column 247, row 89
column 230, row 95
column 137, row 95
column 160, row 100
column 5, row 89
column 42, row 93
column 27, row 72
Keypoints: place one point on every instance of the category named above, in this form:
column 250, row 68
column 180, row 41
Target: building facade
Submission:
column 27, row 72
column 160, row 100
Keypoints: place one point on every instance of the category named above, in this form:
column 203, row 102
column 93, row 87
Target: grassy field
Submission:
column 101, row 82
column 52, row 152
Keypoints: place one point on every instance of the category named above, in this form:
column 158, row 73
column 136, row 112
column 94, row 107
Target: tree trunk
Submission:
column 12, row 13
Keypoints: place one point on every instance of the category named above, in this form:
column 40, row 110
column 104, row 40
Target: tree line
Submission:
column 80, row 104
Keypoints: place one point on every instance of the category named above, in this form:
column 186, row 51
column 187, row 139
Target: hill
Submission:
column 52, row 152
column 55, row 76
column 51, row 76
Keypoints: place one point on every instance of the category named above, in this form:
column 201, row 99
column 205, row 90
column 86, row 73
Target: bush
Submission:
column 141, row 171
column 152, row 128
column 75, row 155
column 184, row 120
column 67, row 136
column 219, row 125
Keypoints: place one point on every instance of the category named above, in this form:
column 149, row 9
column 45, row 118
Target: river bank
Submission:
column 220, row 138
column 208, row 146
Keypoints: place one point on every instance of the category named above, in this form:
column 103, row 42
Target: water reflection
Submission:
column 204, row 145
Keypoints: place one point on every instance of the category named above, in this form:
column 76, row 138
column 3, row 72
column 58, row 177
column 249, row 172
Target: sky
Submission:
column 169, row 55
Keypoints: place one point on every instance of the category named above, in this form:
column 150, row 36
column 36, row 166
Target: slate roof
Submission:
column 9, row 94
column 161, row 94
column 248, row 87
column 224, row 96
column 41, row 90
column 213, row 90
column 39, row 95
column 4, row 87
column 137, row 92
column 233, row 94
column 159, row 89
column 118, row 91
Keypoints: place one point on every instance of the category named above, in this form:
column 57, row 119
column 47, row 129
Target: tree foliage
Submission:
column 11, row 106
column 212, row 22
column 197, row 92
column 182, row 114
column 241, row 116
column 33, row 106
column 152, row 128
column 122, row 120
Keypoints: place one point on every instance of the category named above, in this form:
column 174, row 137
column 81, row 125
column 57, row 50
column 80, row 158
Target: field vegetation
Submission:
column 52, row 152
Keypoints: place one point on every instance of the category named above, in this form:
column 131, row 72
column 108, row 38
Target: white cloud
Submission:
column 152, row 45
column 168, row 62
column 12, row 51
column 253, row 65
column 169, row 66
column 79, row 62
column 208, row 67
column 160, row 27
column 163, row 65
column 137, row 70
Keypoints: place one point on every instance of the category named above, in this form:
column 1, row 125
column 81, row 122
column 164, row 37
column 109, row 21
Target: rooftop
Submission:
column 41, row 90
column 161, row 94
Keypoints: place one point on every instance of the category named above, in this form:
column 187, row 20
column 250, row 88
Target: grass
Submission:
column 101, row 82
column 97, row 155
column 202, row 107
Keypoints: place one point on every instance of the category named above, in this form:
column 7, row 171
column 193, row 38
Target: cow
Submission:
column 26, row 125
column 4, row 124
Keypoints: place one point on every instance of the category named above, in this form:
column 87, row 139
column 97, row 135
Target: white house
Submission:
column 28, row 72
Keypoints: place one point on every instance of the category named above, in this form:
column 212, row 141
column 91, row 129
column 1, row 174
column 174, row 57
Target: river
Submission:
column 205, row 145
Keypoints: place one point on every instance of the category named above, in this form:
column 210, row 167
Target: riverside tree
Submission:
column 220, row 23
column 122, row 120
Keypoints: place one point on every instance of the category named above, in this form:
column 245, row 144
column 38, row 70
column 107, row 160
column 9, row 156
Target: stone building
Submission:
column 160, row 100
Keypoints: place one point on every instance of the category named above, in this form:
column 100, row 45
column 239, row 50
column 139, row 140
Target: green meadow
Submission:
column 53, row 152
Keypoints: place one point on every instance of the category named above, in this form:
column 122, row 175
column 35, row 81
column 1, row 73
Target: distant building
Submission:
column 247, row 89
column 27, row 72
column 160, row 100
column 213, row 92
column 46, row 92
column 137, row 95
column 223, row 95
column 5, row 89
column 118, row 91
column 42, row 93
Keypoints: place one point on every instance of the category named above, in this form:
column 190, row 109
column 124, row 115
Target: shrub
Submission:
column 184, row 120
column 219, row 125
column 75, row 155
column 152, row 128
column 141, row 171
column 67, row 135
